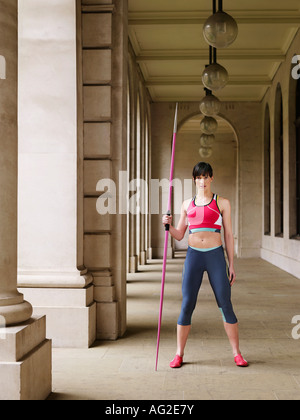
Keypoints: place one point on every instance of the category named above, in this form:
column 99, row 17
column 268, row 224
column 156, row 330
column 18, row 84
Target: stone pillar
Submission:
column 133, row 259
column 25, row 354
column 52, row 274
column 139, row 165
column 103, row 85
column 143, row 254
column 12, row 306
column 148, row 224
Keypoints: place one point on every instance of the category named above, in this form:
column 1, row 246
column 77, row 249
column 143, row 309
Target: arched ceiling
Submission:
column 167, row 40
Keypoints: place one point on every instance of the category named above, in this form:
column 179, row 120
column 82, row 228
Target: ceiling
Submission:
column 167, row 39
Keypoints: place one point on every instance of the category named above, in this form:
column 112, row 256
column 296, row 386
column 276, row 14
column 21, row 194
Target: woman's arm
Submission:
column 225, row 208
column 179, row 232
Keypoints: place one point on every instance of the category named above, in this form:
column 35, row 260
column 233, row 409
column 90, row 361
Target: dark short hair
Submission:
column 202, row 169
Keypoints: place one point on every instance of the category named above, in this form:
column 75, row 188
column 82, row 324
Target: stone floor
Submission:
column 265, row 300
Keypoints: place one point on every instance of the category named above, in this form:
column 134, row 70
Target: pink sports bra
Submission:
column 207, row 218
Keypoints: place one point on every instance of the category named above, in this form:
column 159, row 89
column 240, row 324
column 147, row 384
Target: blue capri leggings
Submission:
column 212, row 261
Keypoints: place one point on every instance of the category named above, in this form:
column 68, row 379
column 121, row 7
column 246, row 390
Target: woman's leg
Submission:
column 191, row 282
column 182, row 336
column 219, row 280
column 232, row 331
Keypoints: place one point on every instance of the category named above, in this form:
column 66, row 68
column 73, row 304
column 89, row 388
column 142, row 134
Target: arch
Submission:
column 278, row 162
column 132, row 166
column 141, row 178
column 224, row 161
column 147, row 179
column 195, row 114
column 296, row 233
column 138, row 171
column 267, row 171
column 128, row 224
column 294, row 156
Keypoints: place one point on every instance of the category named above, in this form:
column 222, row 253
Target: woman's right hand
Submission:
column 167, row 220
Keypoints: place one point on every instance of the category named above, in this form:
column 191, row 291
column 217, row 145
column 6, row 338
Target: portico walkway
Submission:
column 265, row 299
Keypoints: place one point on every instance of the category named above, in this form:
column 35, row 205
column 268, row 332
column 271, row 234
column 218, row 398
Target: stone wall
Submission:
column 283, row 250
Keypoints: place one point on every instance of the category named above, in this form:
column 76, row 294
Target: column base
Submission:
column 15, row 314
column 149, row 254
column 72, row 279
column 71, row 314
column 143, row 258
column 158, row 253
column 133, row 264
column 107, row 307
column 107, row 321
column 25, row 361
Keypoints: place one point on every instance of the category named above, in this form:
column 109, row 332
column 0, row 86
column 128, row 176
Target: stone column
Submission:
column 51, row 271
column 104, row 45
column 133, row 259
column 25, row 354
column 148, row 224
column 143, row 254
column 12, row 306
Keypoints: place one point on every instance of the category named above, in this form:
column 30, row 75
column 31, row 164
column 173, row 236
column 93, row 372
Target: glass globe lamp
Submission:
column 209, row 125
column 220, row 30
column 205, row 152
column 207, row 140
column 215, row 77
column 210, row 106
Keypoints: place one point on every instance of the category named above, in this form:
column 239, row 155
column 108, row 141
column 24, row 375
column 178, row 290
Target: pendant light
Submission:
column 215, row 76
column 220, row 30
column 209, row 125
column 210, row 105
column 205, row 152
column 207, row 140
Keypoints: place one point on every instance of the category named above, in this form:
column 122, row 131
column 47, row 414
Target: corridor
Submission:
column 266, row 299
column 89, row 93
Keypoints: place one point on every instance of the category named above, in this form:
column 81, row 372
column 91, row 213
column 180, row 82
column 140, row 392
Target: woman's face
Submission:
column 203, row 182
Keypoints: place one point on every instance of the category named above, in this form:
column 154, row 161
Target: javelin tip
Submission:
column 176, row 119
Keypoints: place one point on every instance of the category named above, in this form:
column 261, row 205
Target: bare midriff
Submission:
column 205, row 240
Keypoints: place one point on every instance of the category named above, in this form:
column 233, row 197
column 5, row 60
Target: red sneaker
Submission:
column 240, row 361
column 176, row 362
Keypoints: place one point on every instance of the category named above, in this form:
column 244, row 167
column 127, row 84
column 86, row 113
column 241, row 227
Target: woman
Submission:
column 206, row 213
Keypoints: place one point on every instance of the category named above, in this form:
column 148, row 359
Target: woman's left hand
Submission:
column 232, row 275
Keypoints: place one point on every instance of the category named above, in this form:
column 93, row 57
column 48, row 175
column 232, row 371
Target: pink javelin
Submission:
column 166, row 236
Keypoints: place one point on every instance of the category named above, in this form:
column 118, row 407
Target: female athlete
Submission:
column 205, row 214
